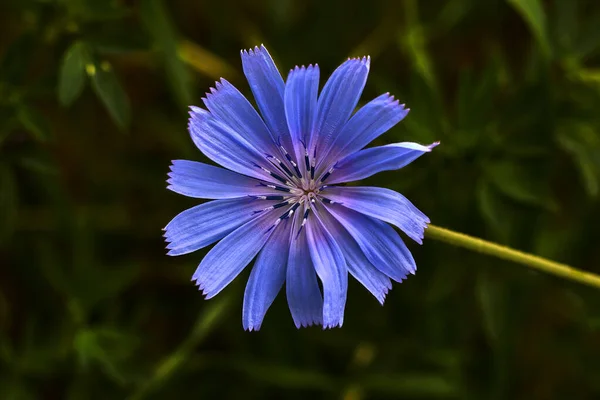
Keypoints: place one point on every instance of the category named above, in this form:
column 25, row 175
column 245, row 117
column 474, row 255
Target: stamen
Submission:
column 289, row 158
column 280, row 188
column 304, row 219
column 328, row 201
column 268, row 197
column 306, row 160
column 326, row 175
column 279, row 205
column 281, row 165
column 312, row 165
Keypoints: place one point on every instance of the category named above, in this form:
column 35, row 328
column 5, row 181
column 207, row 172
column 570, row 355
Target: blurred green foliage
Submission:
column 93, row 98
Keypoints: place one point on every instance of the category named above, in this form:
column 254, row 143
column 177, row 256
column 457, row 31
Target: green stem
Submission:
column 506, row 253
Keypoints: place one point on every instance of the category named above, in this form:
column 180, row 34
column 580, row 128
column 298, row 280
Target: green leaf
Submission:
column 106, row 85
column 34, row 123
column 581, row 141
column 520, row 183
column 14, row 64
column 158, row 22
column 495, row 212
column 414, row 41
column 71, row 78
column 8, row 203
column 411, row 384
column 533, row 13
column 107, row 348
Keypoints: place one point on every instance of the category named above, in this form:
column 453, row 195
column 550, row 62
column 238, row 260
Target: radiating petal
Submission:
column 203, row 181
column 267, row 277
column 203, row 225
column 225, row 146
column 231, row 255
column 383, row 204
column 337, row 101
column 380, row 243
column 268, row 88
column 359, row 266
column 368, row 162
column 301, row 90
column 372, row 120
column 227, row 104
column 330, row 265
column 302, row 289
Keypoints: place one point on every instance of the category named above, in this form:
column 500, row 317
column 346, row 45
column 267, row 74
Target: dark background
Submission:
column 93, row 106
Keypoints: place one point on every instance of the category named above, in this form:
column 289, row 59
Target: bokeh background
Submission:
column 93, row 106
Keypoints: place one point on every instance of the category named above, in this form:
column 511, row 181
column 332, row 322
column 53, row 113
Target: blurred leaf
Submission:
column 533, row 13
column 589, row 37
column 414, row 41
column 110, row 91
column 118, row 39
column 494, row 211
column 38, row 163
column 520, row 183
column 285, row 376
column 8, row 203
column 34, row 123
column 582, row 142
column 158, row 22
column 566, row 22
column 411, row 385
column 491, row 299
column 15, row 63
column 106, row 347
column 94, row 10
column 71, row 79
column 205, row 62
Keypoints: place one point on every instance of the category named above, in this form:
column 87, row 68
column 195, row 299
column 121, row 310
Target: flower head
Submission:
column 276, row 198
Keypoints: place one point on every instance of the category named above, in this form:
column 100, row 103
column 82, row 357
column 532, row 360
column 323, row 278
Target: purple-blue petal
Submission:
column 301, row 91
column 337, row 101
column 384, row 204
column 330, row 265
column 302, row 289
column 228, row 105
column 268, row 89
column 203, row 181
column 232, row 254
column 267, row 277
column 359, row 266
column 225, row 146
column 369, row 122
column 380, row 243
column 202, row 225
column 367, row 162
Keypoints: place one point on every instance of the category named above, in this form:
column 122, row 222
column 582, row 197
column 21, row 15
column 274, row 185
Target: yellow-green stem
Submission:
column 506, row 253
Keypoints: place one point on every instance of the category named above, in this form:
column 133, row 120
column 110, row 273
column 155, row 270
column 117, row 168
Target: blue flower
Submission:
column 276, row 198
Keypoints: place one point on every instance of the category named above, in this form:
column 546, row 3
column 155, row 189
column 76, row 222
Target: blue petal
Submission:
column 268, row 88
column 225, row 146
column 231, row 255
column 368, row 162
column 267, row 277
column 372, row 120
column 302, row 289
column 227, row 104
column 203, row 225
column 383, row 204
column 301, row 90
column 337, row 101
column 330, row 265
column 380, row 243
column 359, row 266
column 203, row 181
